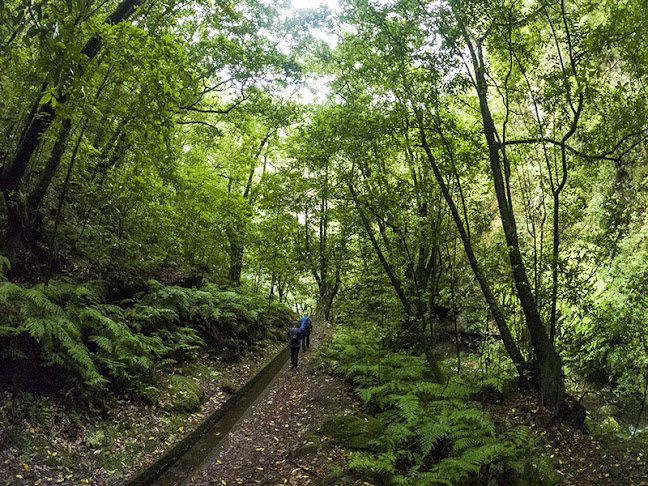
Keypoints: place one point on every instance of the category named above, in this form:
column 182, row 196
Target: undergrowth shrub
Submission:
column 66, row 331
column 226, row 320
column 66, row 326
column 432, row 433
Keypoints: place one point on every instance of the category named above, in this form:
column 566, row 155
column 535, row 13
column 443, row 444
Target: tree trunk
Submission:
column 327, row 293
column 237, row 245
column 500, row 321
column 548, row 365
column 37, row 194
column 236, row 262
column 41, row 117
column 415, row 321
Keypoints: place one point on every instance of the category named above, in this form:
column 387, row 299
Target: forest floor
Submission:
column 44, row 441
column 279, row 441
column 580, row 458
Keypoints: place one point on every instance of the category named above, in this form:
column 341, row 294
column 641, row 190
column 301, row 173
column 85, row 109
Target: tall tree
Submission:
column 41, row 115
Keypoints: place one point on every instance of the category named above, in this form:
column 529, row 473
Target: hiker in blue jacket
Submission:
column 294, row 341
column 306, row 326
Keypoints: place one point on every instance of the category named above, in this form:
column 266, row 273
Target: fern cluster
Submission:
column 225, row 319
column 66, row 326
column 69, row 330
column 432, row 433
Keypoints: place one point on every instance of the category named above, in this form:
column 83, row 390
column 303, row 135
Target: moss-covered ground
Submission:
column 53, row 440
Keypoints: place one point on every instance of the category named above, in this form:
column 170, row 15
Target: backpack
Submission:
column 294, row 335
column 309, row 325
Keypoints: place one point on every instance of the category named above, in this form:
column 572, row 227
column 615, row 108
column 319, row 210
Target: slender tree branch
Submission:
column 196, row 122
column 207, row 90
column 530, row 141
column 219, row 112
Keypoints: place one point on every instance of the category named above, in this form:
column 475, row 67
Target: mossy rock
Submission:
column 228, row 385
column 352, row 431
column 232, row 353
column 307, row 449
column 185, row 393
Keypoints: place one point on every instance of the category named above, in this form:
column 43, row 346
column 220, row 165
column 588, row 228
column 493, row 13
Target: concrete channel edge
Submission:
column 155, row 470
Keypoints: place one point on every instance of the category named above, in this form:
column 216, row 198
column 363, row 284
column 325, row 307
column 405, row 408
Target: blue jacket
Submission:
column 306, row 324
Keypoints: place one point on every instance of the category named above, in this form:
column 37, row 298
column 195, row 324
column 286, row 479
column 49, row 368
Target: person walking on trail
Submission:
column 294, row 341
column 306, row 326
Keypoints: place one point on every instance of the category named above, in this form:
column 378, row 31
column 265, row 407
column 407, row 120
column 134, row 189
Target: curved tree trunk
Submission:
column 37, row 194
column 548, row 365
column 18, row 239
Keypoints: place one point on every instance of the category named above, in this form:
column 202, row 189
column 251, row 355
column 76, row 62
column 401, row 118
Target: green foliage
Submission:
column 222, row 317
column 29, row 313
column 608, row 347
column 5, row 266
column 90, row 343
column 431, row 433
column 37, row 410
column 68, row 329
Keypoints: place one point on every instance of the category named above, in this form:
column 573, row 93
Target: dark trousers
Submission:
column 306, row 341
column 294, row 354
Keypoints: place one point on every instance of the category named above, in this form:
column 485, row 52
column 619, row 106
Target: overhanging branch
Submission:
column 531, row 141
column 196, row 122
column 219, row 112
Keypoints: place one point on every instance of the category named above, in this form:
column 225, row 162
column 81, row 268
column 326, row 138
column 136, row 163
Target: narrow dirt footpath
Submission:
column 277, row 442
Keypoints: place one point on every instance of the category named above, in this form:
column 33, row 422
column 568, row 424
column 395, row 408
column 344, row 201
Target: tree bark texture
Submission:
column 41, row 117
column 236, row 262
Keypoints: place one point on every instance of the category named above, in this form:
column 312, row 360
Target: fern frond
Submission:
column 426, row 390
column 409, row 407
column 36, row 327
column 103, row 342
column 489, row 452
column 382, row 463
column 430, row 433
column 455, row 470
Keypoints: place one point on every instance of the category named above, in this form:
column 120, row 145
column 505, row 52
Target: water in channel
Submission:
column 177, row 471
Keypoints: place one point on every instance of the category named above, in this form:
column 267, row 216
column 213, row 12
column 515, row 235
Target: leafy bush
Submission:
column 67, row 329
column 66, row 326
column 432, row 433
column 608, row 346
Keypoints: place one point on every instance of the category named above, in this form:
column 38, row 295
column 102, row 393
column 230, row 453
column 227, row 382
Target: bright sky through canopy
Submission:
column 297, row 4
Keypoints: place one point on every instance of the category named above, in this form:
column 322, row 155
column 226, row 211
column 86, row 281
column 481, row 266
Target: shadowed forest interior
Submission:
column 458, row 187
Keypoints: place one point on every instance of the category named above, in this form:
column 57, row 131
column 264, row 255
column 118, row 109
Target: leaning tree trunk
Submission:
column 37, row 194
column 548, row 365
column 493, row 305
column 14, row 169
